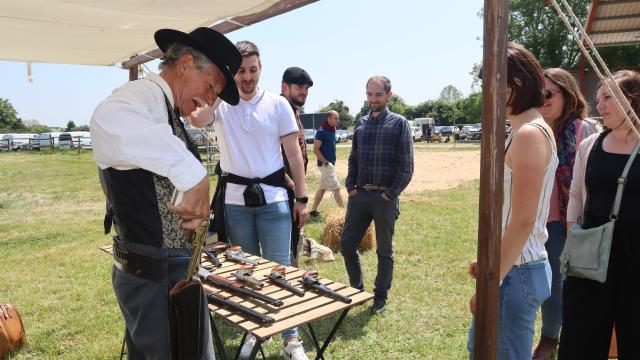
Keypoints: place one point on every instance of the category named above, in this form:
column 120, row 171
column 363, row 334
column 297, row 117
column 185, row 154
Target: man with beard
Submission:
column 295, row 88
column 144, row 154
column 251, row 175
column 380, row 167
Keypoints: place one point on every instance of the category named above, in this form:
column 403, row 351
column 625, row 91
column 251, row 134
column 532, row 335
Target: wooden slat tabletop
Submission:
column 295, row 310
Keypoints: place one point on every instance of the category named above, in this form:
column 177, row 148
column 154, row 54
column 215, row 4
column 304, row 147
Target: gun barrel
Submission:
column 223, row 283
column 322, row 288
column 212, row 256
column 220, row 301
column 285, row 285
column 236, row 256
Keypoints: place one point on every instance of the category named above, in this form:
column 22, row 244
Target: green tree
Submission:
column 9, row 120
column 346, row 119
column 33, row 126
column 81, row 128
column 471, row 108
column 541, row 30
column 450, row 94
column 70, row 126
column 395, row 104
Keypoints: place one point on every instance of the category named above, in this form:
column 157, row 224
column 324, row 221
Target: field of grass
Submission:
column 51, row 211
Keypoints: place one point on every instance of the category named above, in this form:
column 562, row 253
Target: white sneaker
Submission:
column 294, row 351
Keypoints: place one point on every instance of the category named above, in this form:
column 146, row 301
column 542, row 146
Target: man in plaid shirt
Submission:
column 380, row 167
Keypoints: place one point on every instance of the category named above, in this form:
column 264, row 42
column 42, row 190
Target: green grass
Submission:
column 51, row 210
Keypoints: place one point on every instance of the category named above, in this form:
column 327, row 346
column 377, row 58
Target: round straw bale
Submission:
column 332, row 232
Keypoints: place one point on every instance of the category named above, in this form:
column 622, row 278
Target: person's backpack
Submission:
column 12, row 336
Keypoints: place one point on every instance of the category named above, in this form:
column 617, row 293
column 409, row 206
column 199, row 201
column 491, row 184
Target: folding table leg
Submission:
column 244, row 337
column 331, row 334
column 315, row 340
column 216, row 339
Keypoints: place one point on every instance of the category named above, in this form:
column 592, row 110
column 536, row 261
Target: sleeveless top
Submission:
column 534, row 247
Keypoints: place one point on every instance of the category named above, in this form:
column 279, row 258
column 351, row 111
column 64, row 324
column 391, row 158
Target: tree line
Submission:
column 11, row 123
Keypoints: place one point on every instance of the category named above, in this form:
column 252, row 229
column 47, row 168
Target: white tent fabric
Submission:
column 102, row 32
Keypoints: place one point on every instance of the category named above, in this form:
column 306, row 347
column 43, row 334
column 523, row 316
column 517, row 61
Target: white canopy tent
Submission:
column 98, row 32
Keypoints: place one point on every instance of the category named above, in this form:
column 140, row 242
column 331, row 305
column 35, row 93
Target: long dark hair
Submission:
column 524, row 77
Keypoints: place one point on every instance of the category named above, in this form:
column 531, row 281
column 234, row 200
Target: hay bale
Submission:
column 332, row 232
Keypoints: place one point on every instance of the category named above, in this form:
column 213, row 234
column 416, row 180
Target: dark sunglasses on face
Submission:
column 548, row 94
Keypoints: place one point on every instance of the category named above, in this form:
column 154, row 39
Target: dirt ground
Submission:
column 437, row 169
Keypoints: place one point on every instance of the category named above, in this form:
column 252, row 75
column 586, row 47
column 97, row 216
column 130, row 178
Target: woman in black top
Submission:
column 590, row 309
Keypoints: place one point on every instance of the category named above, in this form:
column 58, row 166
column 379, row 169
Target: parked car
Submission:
column 475, row 133
column 309, row 135
column 464, row 132
column 341, row 136
column 17, row 142
column 416, row 133
column 65, row 141
column 49, row 140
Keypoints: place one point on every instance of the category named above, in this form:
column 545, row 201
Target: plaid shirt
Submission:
column 381, row 153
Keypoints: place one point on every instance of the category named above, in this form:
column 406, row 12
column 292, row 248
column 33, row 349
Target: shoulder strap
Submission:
column 622, row 180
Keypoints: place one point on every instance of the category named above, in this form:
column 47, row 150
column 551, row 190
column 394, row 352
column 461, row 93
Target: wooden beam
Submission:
column 227, row 26
column 494, row 80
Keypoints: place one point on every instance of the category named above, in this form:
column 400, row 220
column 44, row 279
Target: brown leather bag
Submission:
column 12, row 336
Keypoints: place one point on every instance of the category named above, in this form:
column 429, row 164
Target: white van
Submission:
column 49, row 140
column 17, row 141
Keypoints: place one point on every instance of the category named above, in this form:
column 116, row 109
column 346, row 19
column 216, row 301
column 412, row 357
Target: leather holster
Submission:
column 186, row 327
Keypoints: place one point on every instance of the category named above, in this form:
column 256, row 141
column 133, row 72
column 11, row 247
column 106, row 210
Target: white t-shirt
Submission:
column 130, row 130
column 249, row 136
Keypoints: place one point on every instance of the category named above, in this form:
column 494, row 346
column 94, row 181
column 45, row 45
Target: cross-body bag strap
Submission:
column 622, row 180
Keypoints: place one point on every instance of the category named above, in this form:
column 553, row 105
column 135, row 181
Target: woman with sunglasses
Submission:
column 565, row 111
column 591, row 308
column 530, row 163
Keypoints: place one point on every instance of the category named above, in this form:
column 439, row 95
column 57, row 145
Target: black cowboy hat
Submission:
column 213, row 45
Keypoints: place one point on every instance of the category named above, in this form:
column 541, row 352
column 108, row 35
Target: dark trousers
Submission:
column 145, row 307
column 363, row 207
column 590, row 310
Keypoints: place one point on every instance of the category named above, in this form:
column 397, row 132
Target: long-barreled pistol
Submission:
column 277, row 277
column 236, row 254
column 245, row 274
column 310, row 280
column 212, row 256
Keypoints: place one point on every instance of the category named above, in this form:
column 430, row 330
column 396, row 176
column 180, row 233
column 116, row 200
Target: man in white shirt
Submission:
column 144, row 154
column 252, row 189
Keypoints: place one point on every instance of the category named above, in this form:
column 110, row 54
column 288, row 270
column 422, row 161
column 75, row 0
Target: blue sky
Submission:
column 422, row 46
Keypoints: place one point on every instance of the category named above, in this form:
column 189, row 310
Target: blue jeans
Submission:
column 263, row 230
column 552, row 307
column 522, row 292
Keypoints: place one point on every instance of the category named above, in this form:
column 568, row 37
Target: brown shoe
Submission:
column 547, row 349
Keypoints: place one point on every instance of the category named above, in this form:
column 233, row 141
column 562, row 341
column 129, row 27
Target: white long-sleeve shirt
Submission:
column 130, row 130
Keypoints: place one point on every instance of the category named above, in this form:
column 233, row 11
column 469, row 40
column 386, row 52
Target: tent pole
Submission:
column 494, row 77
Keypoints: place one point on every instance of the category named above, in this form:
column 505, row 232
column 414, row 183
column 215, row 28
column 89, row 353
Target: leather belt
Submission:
column 139, row 265
column 371, row 187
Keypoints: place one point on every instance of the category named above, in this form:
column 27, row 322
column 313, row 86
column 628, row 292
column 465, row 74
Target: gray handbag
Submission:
column 586, row 251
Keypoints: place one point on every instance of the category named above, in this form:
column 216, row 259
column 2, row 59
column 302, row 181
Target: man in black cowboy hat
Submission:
column 144, row 154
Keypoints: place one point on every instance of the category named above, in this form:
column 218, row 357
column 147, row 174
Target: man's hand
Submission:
column 352, row 192
column 300, row 213
column 194, row 207
column 203, row 115
column 472, row 304
column 473, row 269
column 385, row 197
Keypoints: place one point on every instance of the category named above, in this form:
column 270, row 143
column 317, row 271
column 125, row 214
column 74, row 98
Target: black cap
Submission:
column 296, row 75
column 213, row 45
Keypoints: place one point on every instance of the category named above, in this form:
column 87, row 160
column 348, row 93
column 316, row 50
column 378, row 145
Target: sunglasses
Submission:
column 548, row 94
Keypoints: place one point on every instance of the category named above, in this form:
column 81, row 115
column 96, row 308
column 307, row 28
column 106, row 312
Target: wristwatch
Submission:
column 302, row 199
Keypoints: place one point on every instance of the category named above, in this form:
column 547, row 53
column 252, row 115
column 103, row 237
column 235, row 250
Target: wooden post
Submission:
column 133, row 73
column 494, row 77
